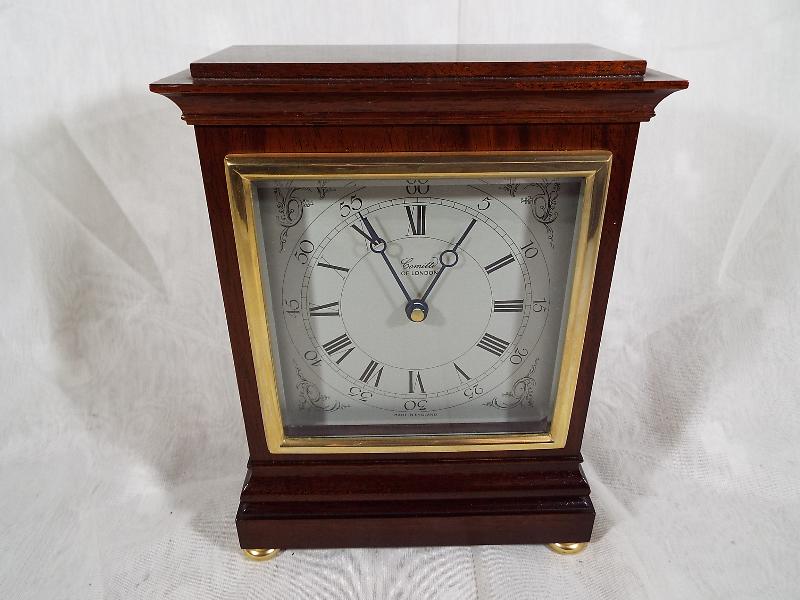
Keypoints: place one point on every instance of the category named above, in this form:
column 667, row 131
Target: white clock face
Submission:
column 416, row 306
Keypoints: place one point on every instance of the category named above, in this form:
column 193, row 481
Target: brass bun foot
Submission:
column 261, row 553
column 567, row 547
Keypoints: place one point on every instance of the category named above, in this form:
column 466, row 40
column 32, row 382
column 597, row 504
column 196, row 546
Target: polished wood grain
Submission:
column 452, row 522
column 339, row 500
column 417, row 479
column 216, row 142
column 404, row 61
column 207, row 105
column 417, row 100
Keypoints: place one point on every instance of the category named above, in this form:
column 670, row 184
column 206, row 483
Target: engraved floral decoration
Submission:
column 311, row 398
column 290, row 202
column 511, row 187
column 544, row 202
column 322, row 189
column 521, row 394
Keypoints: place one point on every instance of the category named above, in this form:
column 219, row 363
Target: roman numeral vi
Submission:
column 412, row 376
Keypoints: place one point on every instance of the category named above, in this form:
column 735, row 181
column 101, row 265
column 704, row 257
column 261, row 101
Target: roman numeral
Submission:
column 372, row 369
column 508, row 305
column 335, row 267
column 343, row 356
column 493, row 344
column 319, row 311
column 461, row 373
column 337, row 344
column 412, row 375
column 499, row 263
column 416, row 219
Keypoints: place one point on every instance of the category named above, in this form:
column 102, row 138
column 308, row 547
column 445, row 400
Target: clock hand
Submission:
column 448, row 258
column 369, row 238
column 378, row 245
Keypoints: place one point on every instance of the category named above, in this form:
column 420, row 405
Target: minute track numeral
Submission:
column 508, row 305
column 416, row 219
column 499, row 263
column 492, row 343
column 414, row 380
column 319, row 311
column 372, row 369
column 338, row 344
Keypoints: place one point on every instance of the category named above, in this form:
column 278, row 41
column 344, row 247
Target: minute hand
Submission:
column 446, row 265
column 378, row 245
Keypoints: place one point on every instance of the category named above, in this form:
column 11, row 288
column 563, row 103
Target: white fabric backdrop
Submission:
column 121, row 445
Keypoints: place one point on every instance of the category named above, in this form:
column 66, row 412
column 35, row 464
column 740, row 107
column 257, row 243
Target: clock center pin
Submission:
column 417, row 310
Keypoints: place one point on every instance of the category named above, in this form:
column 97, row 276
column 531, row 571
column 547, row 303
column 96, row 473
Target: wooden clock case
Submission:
column 358, row 99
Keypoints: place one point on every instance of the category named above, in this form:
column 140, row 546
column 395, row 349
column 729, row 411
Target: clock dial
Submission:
column 416, row 306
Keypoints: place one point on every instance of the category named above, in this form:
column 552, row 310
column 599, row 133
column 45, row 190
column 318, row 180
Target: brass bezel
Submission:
column 244, row 169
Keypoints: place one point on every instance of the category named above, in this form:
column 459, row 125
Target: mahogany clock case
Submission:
column 454, row 99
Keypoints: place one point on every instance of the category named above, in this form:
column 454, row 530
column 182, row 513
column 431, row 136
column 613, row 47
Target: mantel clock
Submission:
column 415, row 247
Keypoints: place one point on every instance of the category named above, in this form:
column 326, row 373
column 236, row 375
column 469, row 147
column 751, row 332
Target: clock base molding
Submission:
column 407, row 503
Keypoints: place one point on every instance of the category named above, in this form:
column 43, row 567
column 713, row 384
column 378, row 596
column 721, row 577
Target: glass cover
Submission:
column 417, row 306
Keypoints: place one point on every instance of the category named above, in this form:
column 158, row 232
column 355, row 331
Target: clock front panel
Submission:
column 420, row 306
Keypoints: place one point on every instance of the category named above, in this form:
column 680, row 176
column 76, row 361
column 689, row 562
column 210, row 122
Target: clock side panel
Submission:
column 214, row 143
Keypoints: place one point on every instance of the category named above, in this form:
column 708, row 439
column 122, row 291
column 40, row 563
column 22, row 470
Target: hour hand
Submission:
column 448, row 258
